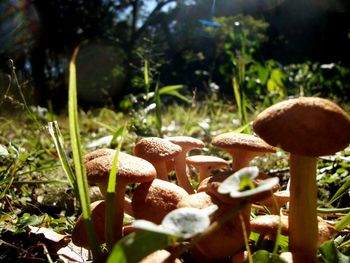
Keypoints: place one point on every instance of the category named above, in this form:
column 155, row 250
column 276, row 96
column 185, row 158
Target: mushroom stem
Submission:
column 303, row 204
column 241, row 159
column 117, row 213
column 181, row 174
column 203, row 173
column 127, row 201
column 162, row 171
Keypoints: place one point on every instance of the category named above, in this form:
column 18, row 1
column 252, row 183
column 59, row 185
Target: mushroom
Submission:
column 131, row 169
column 242, row 147
column 204, row 163
column 229, row 238
column 154, row 200
column 276, row 201
column 268, row 224
column 157, row 151
column 79, row 236
column 102, row 181
column 186, row 143
column 159, row 256
column 306, row 127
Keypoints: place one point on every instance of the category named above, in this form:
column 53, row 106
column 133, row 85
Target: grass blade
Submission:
column 158, row 111
column 58, row 141
column 81, row 178
column 110, row 200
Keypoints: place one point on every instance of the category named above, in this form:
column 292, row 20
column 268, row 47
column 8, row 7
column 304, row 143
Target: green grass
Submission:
column 35, row 190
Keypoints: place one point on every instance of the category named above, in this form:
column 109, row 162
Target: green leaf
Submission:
column 111, row 186
column 341, row 191
column 169, row 89
column 81, row 178
column 343, row 223
column 135, row 246
column 330, row 254
column 58, row 141
column 158, row 110
column 263, row 256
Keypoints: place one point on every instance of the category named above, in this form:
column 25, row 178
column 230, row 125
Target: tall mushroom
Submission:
column 157, row 151
column 242, row 147
column 186, row 143
column 131, row 169
column 306, row 127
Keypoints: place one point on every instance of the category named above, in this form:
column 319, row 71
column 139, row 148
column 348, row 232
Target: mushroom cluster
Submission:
column 300, row 126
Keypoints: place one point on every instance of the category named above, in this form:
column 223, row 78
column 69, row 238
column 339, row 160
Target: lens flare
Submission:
column 19, row 22
column 100, row 72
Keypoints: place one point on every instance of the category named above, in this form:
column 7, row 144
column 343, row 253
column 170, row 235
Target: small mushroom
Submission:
column 276, row 201
column 131, row 169
column 79, row 236
column 186, row 143
column 154, row 200
column 268, row 224
column 157, row 151
column 242, row 147
column 204, row 163
column 306, row 127
column 159, row 256
column 101, row 181
column 229, row 238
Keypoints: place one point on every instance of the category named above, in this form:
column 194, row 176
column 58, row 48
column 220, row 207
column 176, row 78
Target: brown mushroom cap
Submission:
column 209, row 162
column 269, row 224
column 154, row 149
column 274, row 202
column 79, row 236
column 205, row 163
column 157, row 151
column 131, row 168
column 242, row 147
column 307, row 126
column 187, row 143
column 154, row 200
column 241, row 141
column 159, row 256
column 211, row 184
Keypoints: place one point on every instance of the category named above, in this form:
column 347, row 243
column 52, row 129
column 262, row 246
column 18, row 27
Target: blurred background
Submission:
column 276, row 47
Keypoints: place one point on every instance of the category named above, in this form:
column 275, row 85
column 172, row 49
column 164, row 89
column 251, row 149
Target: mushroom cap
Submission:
column 211, row 184
column 198, row 200
column 210, row 162
column 307, row 126
column 154, row 149
column 79, row 236
column 98, row 153
column 269, row 224
column 131, row 168
column 241, row 141
column 187, row 143
column 154, row 200
column 281, row 197
column 159, row 256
